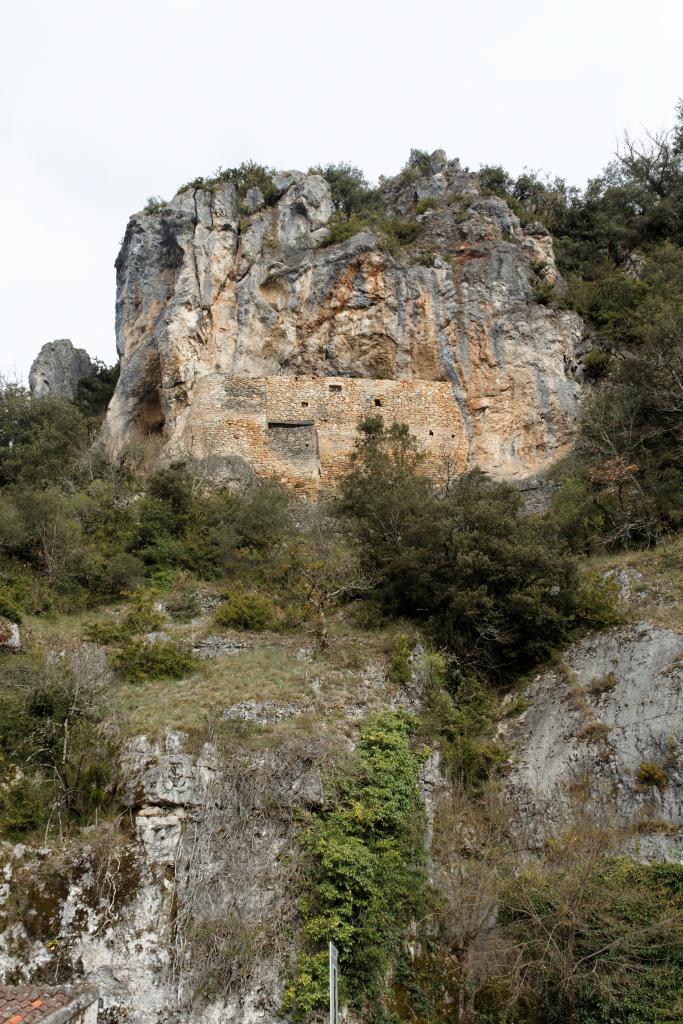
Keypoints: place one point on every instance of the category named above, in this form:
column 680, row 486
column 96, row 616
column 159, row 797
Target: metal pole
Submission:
column 334, row 988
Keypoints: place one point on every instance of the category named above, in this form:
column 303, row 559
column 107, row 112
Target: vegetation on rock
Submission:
column 447, row 592
column 364, row 869
column 619, row 245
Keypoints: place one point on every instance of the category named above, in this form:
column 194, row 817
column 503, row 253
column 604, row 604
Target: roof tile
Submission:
column 31, row 1004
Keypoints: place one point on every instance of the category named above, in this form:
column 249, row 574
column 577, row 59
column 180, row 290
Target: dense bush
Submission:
column 620, row 245
column 244, row 610
column 139, row 660
column 57, row 759
column 351, row 191
column 77, row 528
column 141, row 617
column 182, row 526
column 248, row 175
column 40, row 438
column 394, row 231
column 497, row 588
column 616, row 953
column 94, row 392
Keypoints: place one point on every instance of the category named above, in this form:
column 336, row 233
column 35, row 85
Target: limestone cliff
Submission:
column 244, row 336
column 612, row 709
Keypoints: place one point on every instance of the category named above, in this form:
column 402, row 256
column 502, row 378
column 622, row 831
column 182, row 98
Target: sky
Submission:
column 105, row 104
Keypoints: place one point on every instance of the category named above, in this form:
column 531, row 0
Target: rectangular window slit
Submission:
column 289, row 426
column 335, row 387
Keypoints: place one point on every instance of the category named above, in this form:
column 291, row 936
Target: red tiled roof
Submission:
column 31, row 1004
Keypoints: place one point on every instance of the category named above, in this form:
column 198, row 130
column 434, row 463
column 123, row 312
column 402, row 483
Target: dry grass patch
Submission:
column 62, row 630
column 324, row 683
column 658, row 596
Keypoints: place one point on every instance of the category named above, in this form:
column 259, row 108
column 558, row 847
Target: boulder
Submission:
column 10, row 637
column 57, row 369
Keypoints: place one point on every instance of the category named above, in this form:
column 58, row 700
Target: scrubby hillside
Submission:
column 426, row 717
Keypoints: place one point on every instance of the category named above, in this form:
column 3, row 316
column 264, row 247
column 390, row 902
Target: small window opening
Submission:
column 335, row 387
column 378, row 402
column 304, row 405
column 431, row 433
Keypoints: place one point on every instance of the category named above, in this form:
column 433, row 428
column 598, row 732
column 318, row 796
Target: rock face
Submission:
column 57, row 369
column 244, row 337
column 604, row 727
column 209, row 853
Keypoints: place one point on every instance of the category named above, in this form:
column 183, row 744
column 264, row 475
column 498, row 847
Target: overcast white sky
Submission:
column 104, row 104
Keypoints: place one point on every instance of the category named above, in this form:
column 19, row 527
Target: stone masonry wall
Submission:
column 301, row 430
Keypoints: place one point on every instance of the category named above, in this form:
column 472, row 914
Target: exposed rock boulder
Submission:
column 167, row 776
column 607, row 725
column 57, row 369
column 10, row 637
column 243, row 336
column 261, row 712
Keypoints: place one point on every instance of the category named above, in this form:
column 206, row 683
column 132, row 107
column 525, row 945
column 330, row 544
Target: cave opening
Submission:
column 150, row 415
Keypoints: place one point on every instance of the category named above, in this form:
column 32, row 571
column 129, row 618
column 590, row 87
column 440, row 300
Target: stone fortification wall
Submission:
column 301, row 429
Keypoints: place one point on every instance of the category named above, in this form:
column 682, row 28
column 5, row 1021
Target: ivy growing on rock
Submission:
column 364, row 869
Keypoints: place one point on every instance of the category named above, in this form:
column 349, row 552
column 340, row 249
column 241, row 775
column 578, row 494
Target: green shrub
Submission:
column 248, row 175
column 460, row 712
column 426, row 259
column 394, row 232
column 179, row 527
column 155, row 204
column 246, row 610
column 593, row 905
column 597, row 363
column 58, row 762
column 399, row 667
column 40, row 438
column 597, row 603
column 416, row 167
column 367, row 614
column 141, row 617
column 574, row 512
column 94, row 392
column 183, row 605
column 25, row 802
column 651, row 774
column 140, row 661
column 492, row 586
column 8, row 608
column 350, row 190
column 544, row 292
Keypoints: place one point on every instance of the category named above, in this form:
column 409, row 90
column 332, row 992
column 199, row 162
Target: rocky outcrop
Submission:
column 187, row 914
column 57, row 369
column 243, row 336
column 606, row 728
column 10, row 636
